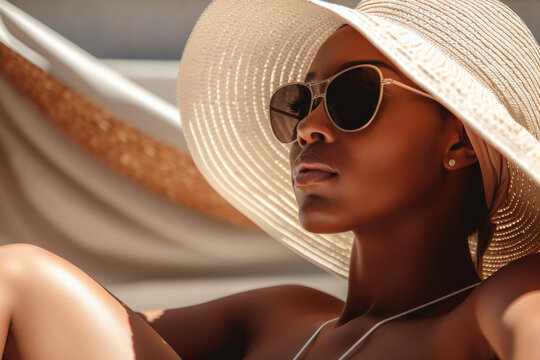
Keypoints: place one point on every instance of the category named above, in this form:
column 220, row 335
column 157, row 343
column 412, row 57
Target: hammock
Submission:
column 94, row 168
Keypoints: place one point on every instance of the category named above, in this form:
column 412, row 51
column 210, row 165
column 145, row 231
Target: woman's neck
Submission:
column 395, row 268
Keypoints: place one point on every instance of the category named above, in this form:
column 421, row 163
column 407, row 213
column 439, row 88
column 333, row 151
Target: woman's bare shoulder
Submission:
column 507, row 307
column 227, row 324
column 278, row 303
column 291, row 294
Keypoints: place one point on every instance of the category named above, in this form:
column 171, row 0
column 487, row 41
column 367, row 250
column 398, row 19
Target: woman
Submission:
column 374, row 155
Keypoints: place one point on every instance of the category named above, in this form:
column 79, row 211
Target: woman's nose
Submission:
column 316, row 126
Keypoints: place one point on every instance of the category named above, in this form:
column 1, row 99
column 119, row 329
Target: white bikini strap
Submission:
column 374, row 327
column 312, row 338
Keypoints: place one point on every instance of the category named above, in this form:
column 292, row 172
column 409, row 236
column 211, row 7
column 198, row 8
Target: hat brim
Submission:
column 241, row 50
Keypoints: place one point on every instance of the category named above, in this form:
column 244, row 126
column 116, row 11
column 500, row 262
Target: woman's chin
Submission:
column 323, row 215
column 321, row 225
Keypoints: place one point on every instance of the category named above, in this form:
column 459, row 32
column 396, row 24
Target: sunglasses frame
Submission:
column 322, row 94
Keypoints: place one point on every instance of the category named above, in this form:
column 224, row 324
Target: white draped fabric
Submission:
column 147, row 250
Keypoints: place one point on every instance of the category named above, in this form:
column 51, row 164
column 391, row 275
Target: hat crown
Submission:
column 486, row 38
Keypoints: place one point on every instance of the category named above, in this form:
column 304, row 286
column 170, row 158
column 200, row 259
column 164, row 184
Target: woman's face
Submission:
column 391, row 168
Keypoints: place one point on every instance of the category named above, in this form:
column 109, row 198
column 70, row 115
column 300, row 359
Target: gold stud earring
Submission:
column 452, row 162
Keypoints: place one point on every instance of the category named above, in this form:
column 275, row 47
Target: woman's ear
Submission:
column 459, row 152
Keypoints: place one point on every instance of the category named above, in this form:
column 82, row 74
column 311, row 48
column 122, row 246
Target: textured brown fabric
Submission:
column 127, row 150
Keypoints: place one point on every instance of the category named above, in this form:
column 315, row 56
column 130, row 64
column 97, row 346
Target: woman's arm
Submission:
column 508, row 310
column 226, row 327
column 211, row 330
column 50, row 309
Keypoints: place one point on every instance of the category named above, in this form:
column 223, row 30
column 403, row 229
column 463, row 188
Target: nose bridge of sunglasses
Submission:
column 318, row 89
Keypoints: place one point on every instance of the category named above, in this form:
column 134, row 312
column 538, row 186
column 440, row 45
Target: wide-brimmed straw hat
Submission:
column 476, row 57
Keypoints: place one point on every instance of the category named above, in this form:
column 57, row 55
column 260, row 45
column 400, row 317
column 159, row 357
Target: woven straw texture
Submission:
column 475, row 56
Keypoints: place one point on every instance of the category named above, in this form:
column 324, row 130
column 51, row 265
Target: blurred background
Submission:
column 157, row 30
column 149, row 251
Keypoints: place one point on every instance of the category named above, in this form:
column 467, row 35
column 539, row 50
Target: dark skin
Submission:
column 392, row 187
column 395, row 218
column 410, row 248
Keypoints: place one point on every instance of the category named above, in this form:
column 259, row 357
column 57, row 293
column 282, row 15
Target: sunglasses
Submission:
column 351, row 98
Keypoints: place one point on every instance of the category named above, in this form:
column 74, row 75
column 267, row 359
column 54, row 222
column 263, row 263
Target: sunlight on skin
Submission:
column 60, row 312
column 56, row 294
column 523, row 317
column 152, row 315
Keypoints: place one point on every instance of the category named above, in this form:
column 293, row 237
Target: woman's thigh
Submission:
column 50, row 309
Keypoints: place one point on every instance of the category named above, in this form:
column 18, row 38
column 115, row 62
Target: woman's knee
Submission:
column 17, row 264
column 22, row 262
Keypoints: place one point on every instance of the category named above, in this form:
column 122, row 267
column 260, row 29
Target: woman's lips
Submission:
column 310, row 177
column 309, row 171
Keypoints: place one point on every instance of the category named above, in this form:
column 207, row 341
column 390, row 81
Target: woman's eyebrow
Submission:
column 310, row 76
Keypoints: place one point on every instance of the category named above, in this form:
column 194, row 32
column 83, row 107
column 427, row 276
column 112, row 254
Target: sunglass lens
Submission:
column 288, row 106
column 353, row 96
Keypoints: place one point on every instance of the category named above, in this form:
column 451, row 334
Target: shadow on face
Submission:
column 394, row 166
